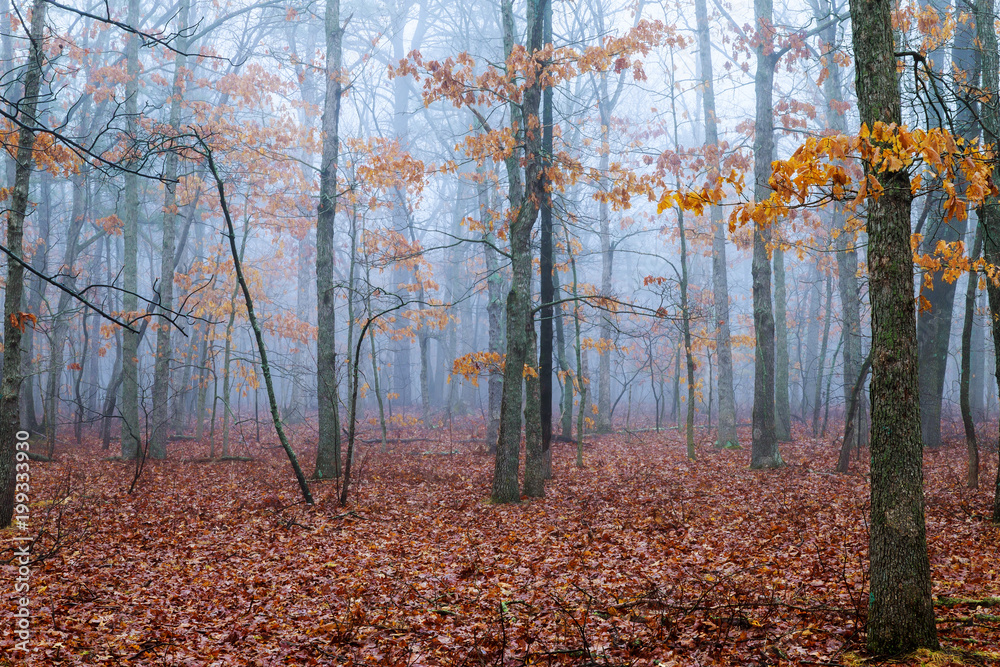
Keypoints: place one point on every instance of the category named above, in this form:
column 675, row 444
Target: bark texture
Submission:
column 764, row 452
column 989, row 212
column 901, row 610
column 10, row 383
column 328, row 452
column 726, row 435
column 131, row 430
column 164, row 349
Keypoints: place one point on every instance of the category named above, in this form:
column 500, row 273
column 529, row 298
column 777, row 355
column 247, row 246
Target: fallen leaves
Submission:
column 643, row 558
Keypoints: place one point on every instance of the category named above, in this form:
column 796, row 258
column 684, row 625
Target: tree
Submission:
column 131, row 432
column 14, row 319
column 901, row 610
column 764, row 450
column 989, row 212
column 328, row 453
column 726, row 436
column 524, row 211
column 164, row 349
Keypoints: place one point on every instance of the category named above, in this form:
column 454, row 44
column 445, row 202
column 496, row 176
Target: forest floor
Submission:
column 640, row 558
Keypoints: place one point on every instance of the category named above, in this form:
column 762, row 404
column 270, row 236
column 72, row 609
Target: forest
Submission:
column 421, row 332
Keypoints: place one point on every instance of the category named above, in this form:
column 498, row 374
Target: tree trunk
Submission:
column 934, row 323
column 505, row 486
column 726, row 436
column 848, row 287
column 809, row 361
column 821, row 362
column 60, row 325
column 603, row 423
column 546, row 268
column 494, row 310
column 328, row 451
column 901, row 610
column 686, row 330
column 989, row 216
column 534, row 459
column 10, row 384
column 164, row 349
column 971, row 444
column 131, row 434
column 782, row 407
column 257, row 332
column 764, row 452
column 566, row 400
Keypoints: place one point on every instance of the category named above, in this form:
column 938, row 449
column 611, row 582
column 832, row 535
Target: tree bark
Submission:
column 782, row 407
column 901, row 610
column 534, row 459
column 971, row 444
column 505, row 486
column 160, row 416
column 328, row 451
column 848, row 287
column 726, row 435
column 10, row 383
column 989, row 212
column 821, row 362
column 131, row 433
column 934, row 323
column 764, row 451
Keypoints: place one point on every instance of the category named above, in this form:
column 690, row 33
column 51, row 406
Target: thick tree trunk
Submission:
column 720, row 282
column 328, row 451
column 10, row 384
column 505, row 486
column 546, row 254
column 534, row 460
column 901, row 610
column 764, row 452
column 989, row 212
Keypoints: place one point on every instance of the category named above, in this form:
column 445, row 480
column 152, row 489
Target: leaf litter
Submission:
column 641, row 558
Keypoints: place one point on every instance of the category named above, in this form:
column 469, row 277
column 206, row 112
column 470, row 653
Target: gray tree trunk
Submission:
column 934, row 323
column 782, row 406
column 160, row 417
column 328, row 451
column 720, row 282
column 131, row 430
column 810, row 372
column 848, row 287
column 764, row 452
